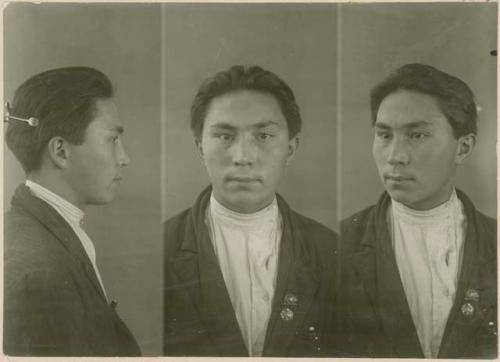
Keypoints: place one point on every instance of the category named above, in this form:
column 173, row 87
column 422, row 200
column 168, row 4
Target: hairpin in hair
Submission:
column 32, row 121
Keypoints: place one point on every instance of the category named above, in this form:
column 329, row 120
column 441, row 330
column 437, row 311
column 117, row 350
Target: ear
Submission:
column 293, row 145
column 199, row 148
column 465, row 146
column 59, row 152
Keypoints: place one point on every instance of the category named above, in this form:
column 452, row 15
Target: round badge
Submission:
column 467, row 309
column 286, row 314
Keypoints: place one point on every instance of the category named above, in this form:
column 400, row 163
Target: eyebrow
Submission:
column 410, row 125
column 263, row 124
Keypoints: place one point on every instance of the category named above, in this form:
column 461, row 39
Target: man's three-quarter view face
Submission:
column 245, row 147
column 419, row 267
column 94, row 167
column 415, row 149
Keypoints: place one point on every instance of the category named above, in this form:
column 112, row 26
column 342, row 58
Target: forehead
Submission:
column 244, row 109
column 106, row 116
column 404, row 107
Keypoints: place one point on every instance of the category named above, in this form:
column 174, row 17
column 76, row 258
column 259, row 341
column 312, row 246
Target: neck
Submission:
column 244, row 209
column 434, row 201
column 56, row 184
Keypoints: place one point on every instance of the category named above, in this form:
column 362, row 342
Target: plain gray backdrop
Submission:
column 295, row 41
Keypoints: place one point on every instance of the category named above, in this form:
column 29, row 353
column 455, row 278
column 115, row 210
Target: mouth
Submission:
column 397, row 178
column 243, row 179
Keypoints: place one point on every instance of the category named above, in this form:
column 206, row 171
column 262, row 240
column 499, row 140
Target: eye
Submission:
column 264, row 136
column 224, row 137
column 384, row 135
column 115, row 139
column 417, row 136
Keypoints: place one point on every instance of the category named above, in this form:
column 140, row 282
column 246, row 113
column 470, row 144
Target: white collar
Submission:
column 64, row 207
column 435, row 215
column 269, row 213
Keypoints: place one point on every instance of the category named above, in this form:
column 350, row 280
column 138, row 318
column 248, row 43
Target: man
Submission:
column 65, row 131
column 419, row 267
column 244, row 274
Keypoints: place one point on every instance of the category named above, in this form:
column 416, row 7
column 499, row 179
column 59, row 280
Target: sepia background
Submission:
column 295, row 41
column 157, row 55
column 378, row 38
column 123, row 41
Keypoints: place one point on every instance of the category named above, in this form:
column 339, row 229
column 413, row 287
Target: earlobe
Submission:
column 58, row 152
column 465, row 146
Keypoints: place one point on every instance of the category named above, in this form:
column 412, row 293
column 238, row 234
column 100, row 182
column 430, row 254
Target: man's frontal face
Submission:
column 245, row 148
column 414, row 149
column 96, row 165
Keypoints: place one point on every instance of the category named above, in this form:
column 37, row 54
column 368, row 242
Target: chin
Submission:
column 245, row 205
column 402, row 196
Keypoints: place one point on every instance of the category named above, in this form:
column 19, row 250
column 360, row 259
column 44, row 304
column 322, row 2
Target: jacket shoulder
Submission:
column 313, row 230
column 352, row 228
column 487, row 226
column 28, row 243
column 173, row 231
column 357, row 219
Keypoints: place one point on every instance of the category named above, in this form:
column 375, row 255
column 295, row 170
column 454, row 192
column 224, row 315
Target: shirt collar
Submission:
column 270, row 212
column 69, row 211
column 434, row 215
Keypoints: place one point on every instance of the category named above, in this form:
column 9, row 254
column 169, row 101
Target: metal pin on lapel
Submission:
column 291, row 300
column 472, row 295
column 286, row 314
column 32, row 121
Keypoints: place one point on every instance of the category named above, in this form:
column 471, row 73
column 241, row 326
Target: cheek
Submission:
column 102, row 160
column 216, row 157
column 275, row 160
column 434, row 163
column 378, row 154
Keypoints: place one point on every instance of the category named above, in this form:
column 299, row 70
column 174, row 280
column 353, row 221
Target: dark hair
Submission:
column 455, row 98
column 63, row 100
column 245, row 78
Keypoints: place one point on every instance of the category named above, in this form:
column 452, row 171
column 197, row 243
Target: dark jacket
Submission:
column 375, row 316
column 53, row 302
column 199, row 317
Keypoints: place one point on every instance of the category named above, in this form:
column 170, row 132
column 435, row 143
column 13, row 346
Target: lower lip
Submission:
column 243, row 181
column 398, row 181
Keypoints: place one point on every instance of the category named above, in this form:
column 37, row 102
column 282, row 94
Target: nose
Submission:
column 122, row 156
column 398, row 152
column 244, row 151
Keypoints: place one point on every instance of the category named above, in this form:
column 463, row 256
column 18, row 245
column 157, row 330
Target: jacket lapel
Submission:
column 296, row 278
column 477, row 274
column 379, row 274
column 198, row 269
column 55, row 223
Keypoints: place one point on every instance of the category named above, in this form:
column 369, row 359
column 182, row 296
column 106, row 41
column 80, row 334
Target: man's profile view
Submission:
column 64, row 129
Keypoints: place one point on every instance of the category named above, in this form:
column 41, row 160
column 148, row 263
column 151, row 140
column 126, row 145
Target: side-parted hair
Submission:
column 454, row 97
column 245, row 78
column 63, row 100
